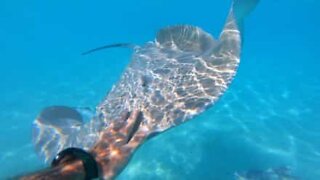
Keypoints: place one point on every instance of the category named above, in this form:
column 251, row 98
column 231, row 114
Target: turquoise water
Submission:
column 267, row 118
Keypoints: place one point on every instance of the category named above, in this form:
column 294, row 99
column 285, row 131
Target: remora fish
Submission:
column 169, row 80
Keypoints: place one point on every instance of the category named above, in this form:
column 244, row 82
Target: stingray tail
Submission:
column 121, row 45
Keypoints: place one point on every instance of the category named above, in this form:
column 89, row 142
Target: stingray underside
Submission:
column 172, row 79
column 169, row 80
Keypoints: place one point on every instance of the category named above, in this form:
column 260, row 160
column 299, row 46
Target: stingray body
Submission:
column 169, row 80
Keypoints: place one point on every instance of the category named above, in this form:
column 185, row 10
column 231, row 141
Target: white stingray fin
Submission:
column 242, row 8
column 60, row 127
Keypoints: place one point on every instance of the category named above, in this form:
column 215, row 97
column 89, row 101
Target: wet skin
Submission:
column 112, row 152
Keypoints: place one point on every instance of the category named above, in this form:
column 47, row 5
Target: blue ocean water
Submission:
column 269, row 117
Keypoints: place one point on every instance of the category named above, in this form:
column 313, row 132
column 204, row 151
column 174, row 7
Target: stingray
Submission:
column 168, row 81
column 278, row 173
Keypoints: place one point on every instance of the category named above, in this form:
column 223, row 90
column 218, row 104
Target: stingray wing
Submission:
column 172, row 79
column 59, row 127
